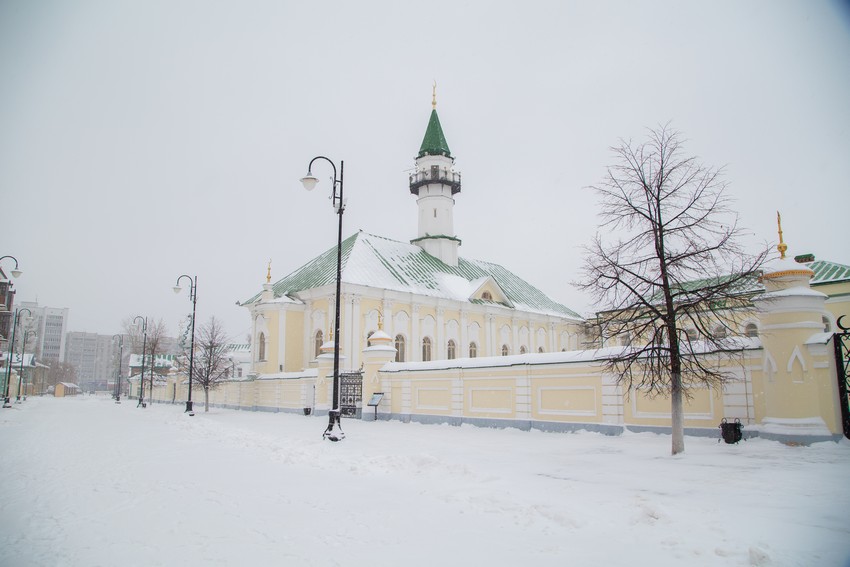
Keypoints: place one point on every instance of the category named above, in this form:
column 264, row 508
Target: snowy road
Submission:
column 87, row 482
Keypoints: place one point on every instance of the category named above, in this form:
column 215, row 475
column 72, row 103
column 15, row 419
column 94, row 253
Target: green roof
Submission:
column 381, row 263
column 828, row 272
column 434, row 143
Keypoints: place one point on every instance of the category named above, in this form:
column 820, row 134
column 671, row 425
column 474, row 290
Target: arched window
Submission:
column 487, row 296
column 261, row 347
column 692, row 334
column 505, row 350
column 751, row 330
column 540, row 350
column 318, row 342
column 399, row 348
column 719, row 332
column 426, row 349
column 451, row 350
column 473, row 350
column 522, row 350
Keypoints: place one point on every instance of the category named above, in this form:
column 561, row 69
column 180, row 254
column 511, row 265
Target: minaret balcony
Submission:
column 435, row 175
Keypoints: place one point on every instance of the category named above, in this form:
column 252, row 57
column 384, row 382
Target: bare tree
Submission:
column 670, row 271
column 211, row 364
column 152, row 339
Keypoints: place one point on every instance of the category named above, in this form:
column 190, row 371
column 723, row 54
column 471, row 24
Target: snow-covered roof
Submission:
column 378, row 262
column 160, row 361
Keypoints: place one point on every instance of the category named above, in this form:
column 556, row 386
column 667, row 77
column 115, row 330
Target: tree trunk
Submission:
column 206, row 398
column 677, row 414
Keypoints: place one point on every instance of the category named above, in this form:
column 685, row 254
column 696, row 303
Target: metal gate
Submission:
column 841, row 340
column 350, row 392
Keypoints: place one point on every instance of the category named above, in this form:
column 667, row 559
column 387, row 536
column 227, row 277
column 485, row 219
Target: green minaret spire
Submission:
column 434, row 143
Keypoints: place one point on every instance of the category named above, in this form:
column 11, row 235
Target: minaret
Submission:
column 434, row 183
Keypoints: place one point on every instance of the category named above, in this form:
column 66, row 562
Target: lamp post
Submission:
column 120, row 361
column 27, row 333
column 334, row 430
column 6, row 403
column 193, row 297
column 16, row 272
column 144, row 346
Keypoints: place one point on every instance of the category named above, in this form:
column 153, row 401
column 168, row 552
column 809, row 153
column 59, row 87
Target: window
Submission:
column 399, row 348
column 540, row 349
column 319, row 341
column 487, row 296
column 522, row 350
column 719, row 332
column 369, row 338
column 505, row 350
column 751, row 330
column 692, row 334
column 451, row 350
column 261, row 347
column 426, row 349
column 827, row 326
column 473, row 350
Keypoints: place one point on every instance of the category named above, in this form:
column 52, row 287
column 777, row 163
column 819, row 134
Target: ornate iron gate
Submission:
column 350, row 392
column 841, row 340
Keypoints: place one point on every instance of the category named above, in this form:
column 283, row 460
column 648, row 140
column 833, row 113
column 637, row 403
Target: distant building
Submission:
column 94, row 356
column 50, row 325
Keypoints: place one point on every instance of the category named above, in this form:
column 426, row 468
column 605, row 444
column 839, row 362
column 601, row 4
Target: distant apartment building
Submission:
column 50, row 324
column 94, row 356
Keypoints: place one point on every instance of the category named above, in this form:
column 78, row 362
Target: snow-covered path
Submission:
column 87, row 482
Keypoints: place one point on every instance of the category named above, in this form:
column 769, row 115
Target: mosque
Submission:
column 429, row 336
column 434, row 303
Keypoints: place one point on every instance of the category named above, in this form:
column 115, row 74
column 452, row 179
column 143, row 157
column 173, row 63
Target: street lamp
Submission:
column 27, row 333
column 15, row 272
column 334, row 430
column 144, row 346
column 193, row 297
column 120, row 360
column 6, row 403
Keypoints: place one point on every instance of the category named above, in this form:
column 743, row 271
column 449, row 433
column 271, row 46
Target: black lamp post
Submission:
column 193, row 297
column 6, row 403
column 334, row 430
column 144, row 346
column 117, row 395
column 3, row 307
column 27, row 333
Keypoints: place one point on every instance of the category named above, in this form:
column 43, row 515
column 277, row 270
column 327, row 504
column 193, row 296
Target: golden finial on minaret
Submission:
column 782, row 247
column 269, row 272
column 434, row 97
column 380, row 321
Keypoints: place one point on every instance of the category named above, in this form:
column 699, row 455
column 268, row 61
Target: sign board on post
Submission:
column 374, row 401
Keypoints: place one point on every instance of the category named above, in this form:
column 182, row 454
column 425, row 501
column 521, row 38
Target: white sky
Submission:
column 143, row 140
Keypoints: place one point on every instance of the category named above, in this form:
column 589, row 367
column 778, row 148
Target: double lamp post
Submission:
column 334, row 430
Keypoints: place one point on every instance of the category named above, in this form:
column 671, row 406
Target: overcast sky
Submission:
column 141, row 140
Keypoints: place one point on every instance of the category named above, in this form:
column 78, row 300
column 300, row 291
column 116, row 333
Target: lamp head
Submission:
column 16, row 273
column 309, row 181
column 177, row 289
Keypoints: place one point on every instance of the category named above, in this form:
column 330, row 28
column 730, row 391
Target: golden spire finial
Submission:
column 434, row 96
column 782, row 247
column 380, row 321
column 269, row 272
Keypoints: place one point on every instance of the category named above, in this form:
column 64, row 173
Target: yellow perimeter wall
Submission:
column 559, row 396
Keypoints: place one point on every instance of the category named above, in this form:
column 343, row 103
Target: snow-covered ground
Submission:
column 87, row 482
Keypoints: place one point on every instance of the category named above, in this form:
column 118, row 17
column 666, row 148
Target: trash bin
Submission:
column 307, row 411
column 731, row 430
